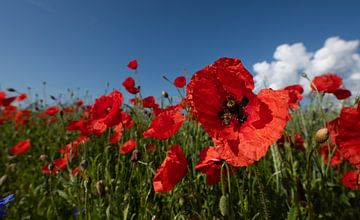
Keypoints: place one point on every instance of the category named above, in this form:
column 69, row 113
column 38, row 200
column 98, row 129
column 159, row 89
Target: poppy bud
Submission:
column 304, row 75
column 181, row 201
column 164, row 94
column 154, row 217
column 53, row 97
column 322, row 135
column 135, row 155
column 223, row 205
column 12, row 167
column 44, row 157
column 84, row 165
column 3, row 180
column 11, row 90
column 100, row 188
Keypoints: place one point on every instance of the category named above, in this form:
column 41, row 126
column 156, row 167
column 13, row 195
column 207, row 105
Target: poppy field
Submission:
column 219, row 149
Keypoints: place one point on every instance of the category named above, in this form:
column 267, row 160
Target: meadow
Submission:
column 217, row 150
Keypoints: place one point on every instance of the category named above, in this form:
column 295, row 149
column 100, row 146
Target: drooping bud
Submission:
column 100, row 188
column 322, row 135
column 83, row 165
column 224, row 206
column 3, row 180
column 164, row 94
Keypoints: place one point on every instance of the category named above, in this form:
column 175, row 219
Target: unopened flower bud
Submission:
column 322, row 135
column 164, row 94
column 100, row 188
column 44, row 157
column 83, row 165
column 223, row 205
column 3, row 180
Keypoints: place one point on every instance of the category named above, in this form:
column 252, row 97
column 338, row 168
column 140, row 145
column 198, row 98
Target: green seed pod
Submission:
column 223, row 205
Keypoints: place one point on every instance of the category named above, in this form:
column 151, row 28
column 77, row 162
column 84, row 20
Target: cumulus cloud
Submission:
column 337, row 56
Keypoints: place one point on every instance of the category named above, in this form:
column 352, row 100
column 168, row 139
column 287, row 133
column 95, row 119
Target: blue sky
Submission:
column 87, row 43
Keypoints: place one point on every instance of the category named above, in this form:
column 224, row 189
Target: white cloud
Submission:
column 337, row 55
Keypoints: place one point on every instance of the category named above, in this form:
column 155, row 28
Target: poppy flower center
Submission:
column 233, row 111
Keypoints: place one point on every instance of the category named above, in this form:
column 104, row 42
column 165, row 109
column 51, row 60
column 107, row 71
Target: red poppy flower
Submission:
column 348, row 138
column 243, row 125
column 336, row 159
column 210, row 164
column 106, row 112
column 126, row 121
column 115, row 137
column 75, row 171
column 333, row 128
column 134, row 101
column 69, row 151
column 7, row 101
column 351, row 179
column 295, row 141
column 148, row 102
column 21, row 97
column 52, row 110
column 129, row 84
column 180, row 82
column 133, row 64
column 165, row 124
column 342, row 93
column 295, row 96
column 57, row 164
column 127, row 147
column 330, row 83
column 79, row 102
column 21, row 147
column 2, row 95
column 150, row 147
column 171, row 171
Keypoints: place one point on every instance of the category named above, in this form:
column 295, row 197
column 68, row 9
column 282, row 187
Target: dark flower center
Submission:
column 233, row 111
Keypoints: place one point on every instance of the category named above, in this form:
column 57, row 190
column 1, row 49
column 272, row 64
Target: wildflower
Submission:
column 210, row 164
column 180, row 81
column 52, row 110
column 21, row 147
column 330, row 83
column 295, row 141
column 351, row 179
column 115, row 137
column 133, row 64
column 129, row 84
column 127, row 147
column 3, row 203
column 336, row 158
column 348, row 138
column 106, row 109
column 295, row 96
column 148, row 102
column 242, row 125
column 171, row 171
column 165, row 124
column 21, row 97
